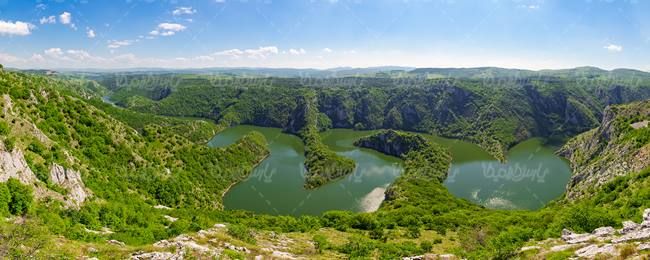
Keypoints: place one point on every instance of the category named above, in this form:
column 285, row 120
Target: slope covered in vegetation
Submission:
column 150, row 182
column 494, row 110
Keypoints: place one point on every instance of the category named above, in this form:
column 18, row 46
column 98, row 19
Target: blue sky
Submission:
column 534, row 34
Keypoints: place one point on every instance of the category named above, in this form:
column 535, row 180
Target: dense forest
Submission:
column 146, row 174
column 494, row 108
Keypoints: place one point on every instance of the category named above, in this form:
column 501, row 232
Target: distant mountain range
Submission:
column 382, row 71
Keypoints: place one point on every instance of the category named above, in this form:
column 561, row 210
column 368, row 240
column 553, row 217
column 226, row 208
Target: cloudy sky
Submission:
column 532, row 34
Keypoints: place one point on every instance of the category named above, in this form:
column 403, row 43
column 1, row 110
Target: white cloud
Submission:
column 171, row 27
column 114, row 44
column 90, row 33
column 49, row 19
column 328, row 50
column 167, row 29
column 184, row 10
column 232, row 52
column 614, row 48
column 79, row 55
column 41, row 6
column 530, row 6
column 37, row 58
column 219, row 1
column 53, row 52
column 65, row 18
column 8, row 58
column 297, row 51
column 15, row 28
column 261, row 52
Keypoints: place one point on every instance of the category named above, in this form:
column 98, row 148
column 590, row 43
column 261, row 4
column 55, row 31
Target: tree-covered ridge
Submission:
column 395, row 143
column 131, row 178
column 126, row 172
column 322, row 164
column 495, row 112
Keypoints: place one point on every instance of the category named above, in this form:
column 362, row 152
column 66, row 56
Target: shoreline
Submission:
column 223, row 194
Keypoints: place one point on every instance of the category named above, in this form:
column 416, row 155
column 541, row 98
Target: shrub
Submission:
column 413, row 231
column 4, row 128
column 242, row 233
column 21, row 197
column 5, row 199
column 10, row 143
column 627, row 251
column 321, row 243
column 358, row 247
column 426, row 246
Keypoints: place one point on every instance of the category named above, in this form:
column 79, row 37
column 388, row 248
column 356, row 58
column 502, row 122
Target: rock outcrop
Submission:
column 602, row 242
column 608, row 151
column 13, row 165
column 71, row 181
column 211, row 243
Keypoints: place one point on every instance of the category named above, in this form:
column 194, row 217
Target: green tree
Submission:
column 21, row 197
column 5, row 199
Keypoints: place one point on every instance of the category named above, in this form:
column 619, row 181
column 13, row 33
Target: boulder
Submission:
column 560, row 248
column 592, row 251
column 572, row 238
column 282, row 255
column 628, row 226
column 640, row 234
column 158, row 256
column 528, row 248
column 115, row 242
column 643, row 246
column 170, row 218
column 604, row 231
column 161, row 207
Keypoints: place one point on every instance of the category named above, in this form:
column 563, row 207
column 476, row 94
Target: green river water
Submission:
column 532, row 175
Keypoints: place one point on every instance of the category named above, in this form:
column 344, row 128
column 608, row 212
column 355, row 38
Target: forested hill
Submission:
column 82, row 178
column 495, row 108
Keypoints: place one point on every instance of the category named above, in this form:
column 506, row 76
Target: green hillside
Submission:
column 146, row 175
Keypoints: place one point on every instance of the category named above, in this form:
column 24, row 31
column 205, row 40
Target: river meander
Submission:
column 532, row 175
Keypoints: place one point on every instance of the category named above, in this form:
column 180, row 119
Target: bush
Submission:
column 242, row 233
column 5, row 199
column 4, row 128
column 21, row 197
column 10, row 143
column 413, row 231
column 426, row 246
column 585, row 219
column 321, row 243
column 358, row 247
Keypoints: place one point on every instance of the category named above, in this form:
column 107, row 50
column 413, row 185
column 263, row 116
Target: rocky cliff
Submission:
column 630, row 241
column 71, row 181
column 619, row 146
column 393, row 142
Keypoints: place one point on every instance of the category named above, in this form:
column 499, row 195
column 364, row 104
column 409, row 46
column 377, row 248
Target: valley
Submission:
column 325, row 129
column 274, row 186
column 221, row 170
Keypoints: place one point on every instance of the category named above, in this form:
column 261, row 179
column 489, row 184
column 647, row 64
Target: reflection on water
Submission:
column 532, row 175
